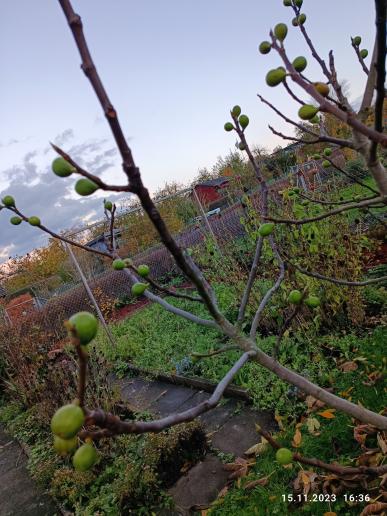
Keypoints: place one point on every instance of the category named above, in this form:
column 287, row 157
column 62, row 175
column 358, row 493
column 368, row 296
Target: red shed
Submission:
column 211, row 190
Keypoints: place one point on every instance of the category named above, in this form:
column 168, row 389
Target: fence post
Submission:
column 204, row 216
column 90, row 294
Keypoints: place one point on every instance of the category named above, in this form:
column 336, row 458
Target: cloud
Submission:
column 64, row 137
column 39, row 192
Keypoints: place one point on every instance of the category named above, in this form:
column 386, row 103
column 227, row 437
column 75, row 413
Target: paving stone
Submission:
column 140, row 394
column 174, row 397
column 238, row 433
column 200, row 486
column 216, row 418
column 19, row 495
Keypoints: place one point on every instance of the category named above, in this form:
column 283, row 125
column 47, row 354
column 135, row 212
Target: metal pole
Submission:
column 208, row 225
column 90, row 294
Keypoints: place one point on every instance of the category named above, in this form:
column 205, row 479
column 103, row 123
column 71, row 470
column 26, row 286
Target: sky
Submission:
column 173, row 70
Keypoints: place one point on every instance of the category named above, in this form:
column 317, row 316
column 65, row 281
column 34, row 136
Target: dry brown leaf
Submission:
column 204, row 513
column 360, row 433
column 313, row 425
column 370, row 458
column 382, row 443
column 327, row 414
column 279, row 421
column 257, row 448
column 348, row 367
column 297, row 438
column 313, row 403
column 329, row 514
column 258, row 482
column 373, row 508
column 223, row 492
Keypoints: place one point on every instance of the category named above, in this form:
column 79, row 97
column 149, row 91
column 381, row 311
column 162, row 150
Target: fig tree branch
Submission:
column 381, row 7
column 82, row 172
column 352, row 206
column 232, row 347
column 285, row 326
column 333, row 468
column 319, row 139
column 332, row 203
column 269, row 294
column 337, row 281
column 337, row 141
column 361, row 60
column 116, row 427
column 250, row 280
column 350, row 176
column 287, row 88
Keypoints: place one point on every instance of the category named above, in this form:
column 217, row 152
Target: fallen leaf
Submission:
column 279, row 421
column 257, row 448
column 373, row 508
column 329, row 514
column 327, row 414
column 297, row 438
column 312, row 425
column 223, row 492
column 348, row 366
column 382, row 443
column 313, row 403
column 259, row 482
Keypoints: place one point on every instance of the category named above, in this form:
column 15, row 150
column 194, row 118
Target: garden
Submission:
column 276, row 315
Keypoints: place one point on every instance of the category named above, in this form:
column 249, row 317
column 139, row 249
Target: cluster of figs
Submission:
column 69, row 419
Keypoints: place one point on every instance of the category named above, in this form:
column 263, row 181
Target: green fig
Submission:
column 228, row 126
column 326, row 163
column 67, row 421
column 298, row 3
column 312, row 301
column 236, row 111
column 128, row 262
column 65, row 446
column 243, row 121
column 8, row 201
column 300, row 63
column 34, row 221
column 356, row 40
column 265, row 47
column 287, row 3
column 322, row 88
column 266, row 229
column 85, row 187
column 138, row 288
column 275, row 77
column 143, row 270
column 295, row 22
column 314, row 120
column 327, row 151
column 284, row 456
column 316, row 156
column 295, row 297
column 363, row 53
column 280, row 31
column 301, row 19
column 118, row 264
column 241, row 146
column 108, row 205
column 85, row 457
column 15, row 221
column 307, row 111
column 85, row 325
column 62, row 168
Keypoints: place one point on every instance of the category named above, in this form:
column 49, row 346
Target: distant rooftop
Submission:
column 218, row 181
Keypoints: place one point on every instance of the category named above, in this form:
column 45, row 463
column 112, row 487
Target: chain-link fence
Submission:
column 51, row 301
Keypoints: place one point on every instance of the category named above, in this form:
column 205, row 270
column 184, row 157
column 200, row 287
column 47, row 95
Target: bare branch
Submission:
column 115, row 426
column 342, row 471
column 350, row 176
column 337, row 281
column 82, row 172
column 232, row 347
column 361, row 60
column 287, row 88
column 320, row 139
column 250, row 280
column 333, row 203
column 269, row 294
column 352, row 206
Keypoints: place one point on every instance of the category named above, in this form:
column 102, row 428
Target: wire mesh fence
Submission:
column 51, row 301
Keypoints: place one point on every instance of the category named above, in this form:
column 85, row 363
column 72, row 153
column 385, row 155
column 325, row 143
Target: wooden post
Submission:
column 204, row 216
column 90, row 294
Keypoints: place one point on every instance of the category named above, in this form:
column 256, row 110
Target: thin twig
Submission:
column 361, row 60
column 325, row 215
column 232, row 347
column 115, row 426
column 333, row 468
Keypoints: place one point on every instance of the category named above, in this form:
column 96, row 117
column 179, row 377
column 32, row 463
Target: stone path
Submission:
column 230, row 428
column 19, row 495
